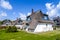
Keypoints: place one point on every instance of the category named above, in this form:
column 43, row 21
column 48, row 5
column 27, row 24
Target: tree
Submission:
column 1, row 22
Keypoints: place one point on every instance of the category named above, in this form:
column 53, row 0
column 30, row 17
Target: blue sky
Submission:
column 12, row 9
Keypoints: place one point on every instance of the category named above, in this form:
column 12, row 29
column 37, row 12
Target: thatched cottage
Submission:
column 38, row 22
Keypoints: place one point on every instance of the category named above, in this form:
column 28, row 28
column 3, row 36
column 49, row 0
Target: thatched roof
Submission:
column 45, row 21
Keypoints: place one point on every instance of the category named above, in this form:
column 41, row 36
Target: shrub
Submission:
column 57, row 38
column 14, row 29
column 11, row 29
column 3, row 27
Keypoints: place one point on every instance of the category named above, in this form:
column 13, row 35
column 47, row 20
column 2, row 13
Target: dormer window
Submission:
column 28, row 18
column 45, row 18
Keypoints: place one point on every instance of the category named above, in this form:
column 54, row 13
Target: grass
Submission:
column 21, row 35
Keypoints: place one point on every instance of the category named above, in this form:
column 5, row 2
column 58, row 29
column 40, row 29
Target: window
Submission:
column 31, row 30
column 29, row 19
column 45, row 18
column 46, row 24
column 27, row 24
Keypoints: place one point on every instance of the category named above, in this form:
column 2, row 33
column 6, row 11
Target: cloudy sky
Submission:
column 12, row 9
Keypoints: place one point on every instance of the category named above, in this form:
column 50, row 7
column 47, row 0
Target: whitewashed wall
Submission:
column 19, row 26
column 43, row 27
column 27, row 28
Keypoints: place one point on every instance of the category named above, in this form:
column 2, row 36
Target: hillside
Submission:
column 53, row 35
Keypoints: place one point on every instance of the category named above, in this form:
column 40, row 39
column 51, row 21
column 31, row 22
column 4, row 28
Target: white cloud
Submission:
column 53, row 10
column 5, row 4
column 28, row 14
column 22, row 16
column 3, row 14
column 49, row 6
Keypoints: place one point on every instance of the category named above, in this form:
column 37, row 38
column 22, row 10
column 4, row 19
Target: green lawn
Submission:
column 53, row 35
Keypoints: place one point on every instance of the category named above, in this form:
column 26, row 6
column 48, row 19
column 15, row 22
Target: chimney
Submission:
column 32, row 11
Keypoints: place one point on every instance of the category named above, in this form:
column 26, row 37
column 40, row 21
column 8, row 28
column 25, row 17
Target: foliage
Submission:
column 1, row 22
column 11, row 29
column 3, row 27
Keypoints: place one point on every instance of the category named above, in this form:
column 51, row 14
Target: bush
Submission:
column 3, row 27
column 11, row 29
column 58, row 37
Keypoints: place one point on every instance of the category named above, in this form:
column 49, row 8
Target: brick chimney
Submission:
column 32, row 11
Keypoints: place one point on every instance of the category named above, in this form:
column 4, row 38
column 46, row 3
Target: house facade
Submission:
column 39, row 22
column 18, row 23
column 6, row 23
column 57, row 23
